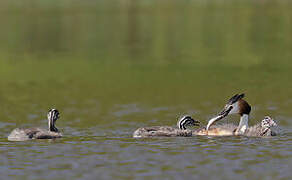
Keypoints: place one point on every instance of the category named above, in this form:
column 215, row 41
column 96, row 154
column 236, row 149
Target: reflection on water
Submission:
column 111, row 67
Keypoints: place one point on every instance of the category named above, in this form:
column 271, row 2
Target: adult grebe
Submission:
column 19, row 134
column 168, row 131
column 264, row 128
column 235, row 105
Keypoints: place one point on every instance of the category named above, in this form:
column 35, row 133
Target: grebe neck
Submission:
column 243, row 124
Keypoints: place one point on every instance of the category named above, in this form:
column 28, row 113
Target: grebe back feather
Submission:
column 168, row 131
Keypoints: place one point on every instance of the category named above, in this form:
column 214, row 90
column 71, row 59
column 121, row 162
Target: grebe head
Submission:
column 186, row 121
column 235, row 105
column 266, row 125
column 268, row 122
column 53, row 115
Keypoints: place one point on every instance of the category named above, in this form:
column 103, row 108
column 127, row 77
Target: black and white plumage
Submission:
column 168, row 131
column 236, row 105
column 264, row 128
column 52, row 132
column 187, row 121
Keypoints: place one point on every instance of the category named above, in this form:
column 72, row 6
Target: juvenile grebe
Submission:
column 19, row 134
column 263, row 128
column 168, row 131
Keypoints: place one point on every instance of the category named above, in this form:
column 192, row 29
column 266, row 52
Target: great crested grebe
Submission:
column 19, row 134
column 168, row 131
column 264, row 128
column 236, row 105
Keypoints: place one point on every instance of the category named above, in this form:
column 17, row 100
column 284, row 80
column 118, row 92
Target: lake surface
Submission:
column 111, row 67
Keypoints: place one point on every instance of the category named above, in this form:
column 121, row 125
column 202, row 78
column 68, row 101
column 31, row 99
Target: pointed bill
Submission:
column 213, row 120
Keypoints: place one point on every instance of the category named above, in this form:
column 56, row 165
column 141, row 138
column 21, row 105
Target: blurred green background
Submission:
column 153, row 53
column 111, row 66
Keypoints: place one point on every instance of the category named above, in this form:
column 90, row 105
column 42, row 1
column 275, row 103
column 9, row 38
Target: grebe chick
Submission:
column 19, row 134
column 262, row 129
column 168, row 131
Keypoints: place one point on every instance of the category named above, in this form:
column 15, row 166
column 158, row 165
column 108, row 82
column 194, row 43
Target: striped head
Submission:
column 266, row 125
column 53, row 115
column 268, row 122
column 186, row 121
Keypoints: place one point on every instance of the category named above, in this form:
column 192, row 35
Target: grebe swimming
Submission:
column 236, row 105
column 168, row 131
column 19, row 134
column 264, row 128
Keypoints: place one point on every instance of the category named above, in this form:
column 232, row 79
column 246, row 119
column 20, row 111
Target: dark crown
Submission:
column 235, row 98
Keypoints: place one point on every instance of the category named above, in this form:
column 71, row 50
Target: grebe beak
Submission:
column 212, row 121
column 225, row 111
column 221, row 115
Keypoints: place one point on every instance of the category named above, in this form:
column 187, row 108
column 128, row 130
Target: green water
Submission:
column 110, row 67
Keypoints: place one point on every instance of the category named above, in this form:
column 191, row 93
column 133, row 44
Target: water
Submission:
column 110, row 67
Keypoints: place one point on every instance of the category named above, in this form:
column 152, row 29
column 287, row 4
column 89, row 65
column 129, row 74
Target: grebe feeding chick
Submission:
column 19, row 134
column 168, row 131
column 264, row 128
column 236, row 105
